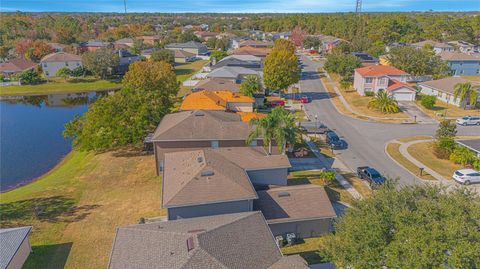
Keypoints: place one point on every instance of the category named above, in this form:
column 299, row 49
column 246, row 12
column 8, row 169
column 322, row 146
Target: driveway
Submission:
column 366, row 140
column 411, row 109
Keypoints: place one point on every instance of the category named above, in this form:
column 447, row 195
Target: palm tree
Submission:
column 250, row 85
column 279, row 125
column 466, row 93
column 384, row 102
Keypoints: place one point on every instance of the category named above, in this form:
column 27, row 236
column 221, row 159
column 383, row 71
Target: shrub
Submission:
column 384, row 102
column 327, row 176
column 428, row 101
column 444, row 147
column 369, row 93
column 463, row 156
column 476, row 164
column 30, row 77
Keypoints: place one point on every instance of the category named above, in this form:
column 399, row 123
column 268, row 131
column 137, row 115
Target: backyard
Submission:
column 309, row 248
column 57, row 85
column 184, row 71
column 75, row 208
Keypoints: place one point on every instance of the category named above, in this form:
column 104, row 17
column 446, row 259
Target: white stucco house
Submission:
column 54, row 61
column 444, row 89
column 377, row 78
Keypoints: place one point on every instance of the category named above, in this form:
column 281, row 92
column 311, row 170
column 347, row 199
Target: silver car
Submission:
column 468, row 120
column 466, row 176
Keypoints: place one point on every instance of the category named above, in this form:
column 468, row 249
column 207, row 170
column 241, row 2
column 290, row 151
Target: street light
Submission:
column 316, row 124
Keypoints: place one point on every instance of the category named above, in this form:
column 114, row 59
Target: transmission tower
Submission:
column 358, row 7
column 125, row 5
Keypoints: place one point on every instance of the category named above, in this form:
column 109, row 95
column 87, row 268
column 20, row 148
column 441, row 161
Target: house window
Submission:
column 368, row 80
column 46, row 73
column 382, row 81
column 214, row 144
column 66, row 63
column 78, row 64
column 254, row 143
column 45, row 65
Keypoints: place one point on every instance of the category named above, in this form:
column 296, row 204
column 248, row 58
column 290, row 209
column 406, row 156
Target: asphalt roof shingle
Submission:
column 241, row 240
column 10, row 241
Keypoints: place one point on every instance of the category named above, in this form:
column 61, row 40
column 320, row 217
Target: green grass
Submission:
column 75, row 208
column 184, row 71
column 424, row 153
column 308, row 248
column 393, row 149
column 60, row 86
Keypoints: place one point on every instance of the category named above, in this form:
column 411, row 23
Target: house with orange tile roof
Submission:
column 218, row 100
column 377, row 78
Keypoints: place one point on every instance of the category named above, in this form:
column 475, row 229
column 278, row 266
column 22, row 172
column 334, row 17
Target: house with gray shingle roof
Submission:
column 233, row 73
column 462, row 64
column 241, row 240
column 14, row 247
column 51, row 63
column 190, row 46
column 218, row 181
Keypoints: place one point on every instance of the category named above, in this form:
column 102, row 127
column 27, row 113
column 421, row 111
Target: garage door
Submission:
column 403, row 96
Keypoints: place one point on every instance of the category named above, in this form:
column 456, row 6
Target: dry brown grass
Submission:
column 89, row 196
column 394, row 152
column 451, row 111
column 413, row 138
column 424, row 153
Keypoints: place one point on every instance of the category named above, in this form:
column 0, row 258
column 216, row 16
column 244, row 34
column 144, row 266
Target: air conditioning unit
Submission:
column 279, row 240
column 291, row 238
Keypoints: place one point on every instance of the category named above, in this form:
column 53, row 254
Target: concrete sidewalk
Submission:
column 337, row 166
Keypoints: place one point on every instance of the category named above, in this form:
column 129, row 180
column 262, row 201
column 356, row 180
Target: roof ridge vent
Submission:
column 284, row 194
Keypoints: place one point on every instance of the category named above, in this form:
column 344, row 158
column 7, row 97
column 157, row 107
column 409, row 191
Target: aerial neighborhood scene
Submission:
column 240, row 134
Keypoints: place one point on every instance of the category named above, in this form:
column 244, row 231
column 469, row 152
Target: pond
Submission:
column 31, row 140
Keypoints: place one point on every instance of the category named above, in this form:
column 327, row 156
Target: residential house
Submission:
column 16, row 66
column 471, row 144
column 15, row 247
column 246, row 61
column 190, row 46
column 203, row 35
column 54, row 61
column 389, row 46
column 147, row 53
column 248, row 50
column 365, row 58
column 462, row 64
column 256, row 44
column 234, row 73
column 187, row 130
column 437, row 46
column 217, row 100
column 444, row 89
column 304, row 210
column 235, row 43
column 464, row 47
column 214, row 181
column 125, row 59
column 329, row 43
column 182, row 56
column 217, row 84
column 377, row 78
column 241, row 240
column 150, row 39
column 123, row 43
column 93, row 45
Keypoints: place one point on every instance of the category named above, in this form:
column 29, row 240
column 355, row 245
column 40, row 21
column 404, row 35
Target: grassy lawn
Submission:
column 451, row 111
column 75, row 208
column 184, row 71
column 60, row 86
column 358, row 184
column 393, row 149
column 308, row 248
column 413, row 138
column 334, row 190
column 424, row 153
column 322, row 146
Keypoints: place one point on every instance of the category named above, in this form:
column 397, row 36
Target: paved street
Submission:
column 365, row 140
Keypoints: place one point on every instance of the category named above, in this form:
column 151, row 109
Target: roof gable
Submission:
column 379, row 70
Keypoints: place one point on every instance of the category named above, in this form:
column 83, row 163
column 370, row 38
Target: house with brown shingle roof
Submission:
column 183, row 56
column 377, row 78
column 218, row 181
column 217, row 84
column 188, row 130
column 54, row 61
column 248, row 50
column 240, row 240
column 15, row 66
column 304, row 210
column 444, row 89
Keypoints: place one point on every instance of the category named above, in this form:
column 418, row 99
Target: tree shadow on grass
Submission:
column 312, row 257
column 45, row 209
column 48, row 256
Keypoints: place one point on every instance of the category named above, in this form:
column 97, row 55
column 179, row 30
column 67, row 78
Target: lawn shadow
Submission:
column 333, row 195
column 45, row 209
column 48, row 256
column 312, row 257
column 130, row 152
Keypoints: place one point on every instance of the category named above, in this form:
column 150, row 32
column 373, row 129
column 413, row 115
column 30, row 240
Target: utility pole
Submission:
column 358, row 7
column 125, row 5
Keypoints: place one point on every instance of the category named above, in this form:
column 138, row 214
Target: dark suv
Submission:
column 333, row 140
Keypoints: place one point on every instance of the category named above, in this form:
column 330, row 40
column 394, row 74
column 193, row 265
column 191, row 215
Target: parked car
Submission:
column 274, row 103
column 466, row 176
column 372, row 176
column 333, row 140
column 304, row 100
column 468, row 120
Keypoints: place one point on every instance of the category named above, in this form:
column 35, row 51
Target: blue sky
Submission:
column 237, row 5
